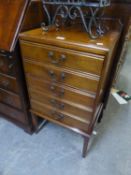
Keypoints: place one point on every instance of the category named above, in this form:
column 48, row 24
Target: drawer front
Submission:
column 56, row 116
column 12, row 113
column 62, row 57
column 54, row 90
column 81, row 114
column 62, row 76
column 10, row 98
column 7, row 66
column 8, row 83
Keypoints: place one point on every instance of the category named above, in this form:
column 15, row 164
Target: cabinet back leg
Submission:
column 85, row 147
column 101, row 116
column 38, row 123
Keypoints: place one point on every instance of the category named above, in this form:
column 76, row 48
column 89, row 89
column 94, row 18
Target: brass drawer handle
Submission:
column 63, row 57
column 11, row 65
column 53, row 101
column 52, row 88
column 63, row 76
column 62, row 106
column 53, row 75
column 57, row 116
column 59, row 94
column 56, row 104
column 50, row 54
column 57, row 61
column 62, row 93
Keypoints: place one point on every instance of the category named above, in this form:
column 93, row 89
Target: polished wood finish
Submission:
column 84, row 62
column 7, row 66
column 85, row 146
column 15, row 16
column 57, row 90
column 9, row 26
column 64, row 69
column 63, row 76
column 77, row 111
column 10, row 98
column 9, row 83
column 15, row 114
column 70, row 41
column 57, row 116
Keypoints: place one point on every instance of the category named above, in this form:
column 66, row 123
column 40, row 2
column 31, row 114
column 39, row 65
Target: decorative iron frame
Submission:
column 90, row 12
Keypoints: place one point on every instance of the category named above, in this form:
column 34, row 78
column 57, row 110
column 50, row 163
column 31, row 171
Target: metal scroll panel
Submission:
column 89, row 11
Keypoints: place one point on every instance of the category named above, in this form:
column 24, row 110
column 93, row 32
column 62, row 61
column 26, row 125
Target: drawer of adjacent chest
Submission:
column 13, row 113
column 8, row 83
column 79, row 61
column 62, row 76
column 10, row 99
column 78, row 112
column 56, row 116
column 7, row 66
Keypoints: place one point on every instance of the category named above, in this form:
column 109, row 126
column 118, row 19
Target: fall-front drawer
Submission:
column 10, row 98
column 7, row 66
column 79, row 112
column 8, row 83
column 54, row 115
column 81, row 61
column 62, row 76
column 60, row 91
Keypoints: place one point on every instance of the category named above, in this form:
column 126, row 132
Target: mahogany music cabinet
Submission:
column 66, row 74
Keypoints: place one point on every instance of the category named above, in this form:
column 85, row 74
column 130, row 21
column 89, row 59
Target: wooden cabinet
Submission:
column 14, row 103
column 120, row 9
column 66, row 74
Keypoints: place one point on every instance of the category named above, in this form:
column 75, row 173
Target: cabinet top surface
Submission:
column 72, row 39
column 11, row 15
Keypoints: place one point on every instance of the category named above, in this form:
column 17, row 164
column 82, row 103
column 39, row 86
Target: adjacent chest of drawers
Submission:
column 10, row 100
column 14, row 103
column 66, row 74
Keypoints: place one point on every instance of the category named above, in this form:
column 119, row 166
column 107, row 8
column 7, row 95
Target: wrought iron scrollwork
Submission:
column 90, row 12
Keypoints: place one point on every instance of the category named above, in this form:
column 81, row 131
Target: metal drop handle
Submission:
column 52, row 88
column 62, row 92
column 59, row 93
column 50, row 54
column 11, row 65
column 56, row 104
column 57, row 61
column 53, row 101
column 63, row 76
column 52, row 75
column 57, row 116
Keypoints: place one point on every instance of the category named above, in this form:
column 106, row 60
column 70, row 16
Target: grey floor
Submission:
column 57, row 151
